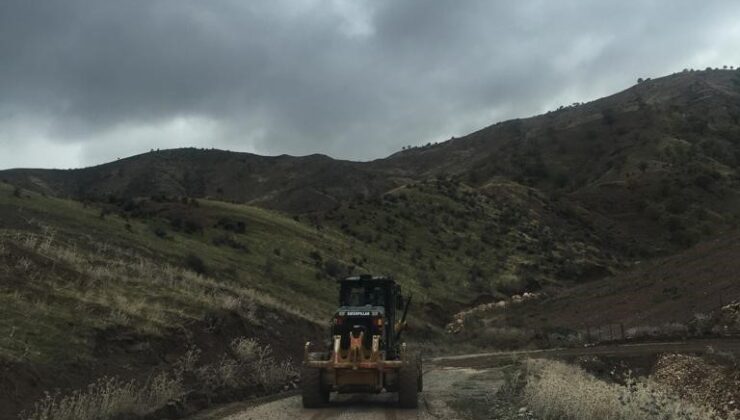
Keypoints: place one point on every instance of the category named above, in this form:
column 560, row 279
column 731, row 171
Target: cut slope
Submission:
column 673, row 289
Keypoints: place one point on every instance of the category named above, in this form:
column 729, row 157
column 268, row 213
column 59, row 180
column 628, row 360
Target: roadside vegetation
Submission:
column 247, row 368
column 678, row 387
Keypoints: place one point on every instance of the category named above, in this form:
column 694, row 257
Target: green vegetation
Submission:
column 498, row 240
column 142, row 267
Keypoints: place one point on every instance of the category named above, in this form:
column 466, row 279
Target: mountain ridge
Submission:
column 625, row 160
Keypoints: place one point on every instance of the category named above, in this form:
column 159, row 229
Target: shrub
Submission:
column 608, row 116
column 188, row 226
column 269, row 373
column 673, row 223
column 188, row 362
column 222, row 374
column 244, row 348
column 196, row 264
column 230, row 225
column 333, row 268
column 316, row 257
column 704, row 181
column 230, row 242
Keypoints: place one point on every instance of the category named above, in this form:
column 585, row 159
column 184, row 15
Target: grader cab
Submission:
column 366, row 354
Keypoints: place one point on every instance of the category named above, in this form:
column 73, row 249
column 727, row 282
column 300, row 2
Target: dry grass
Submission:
column 253, row 365
column 135, row 290
column 250, row 364
column 555, row 390
column 109, row 397
column 244, row 348
column 268, row 372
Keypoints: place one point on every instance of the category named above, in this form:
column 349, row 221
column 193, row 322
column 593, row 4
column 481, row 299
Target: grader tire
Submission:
column 408, row 384
column 314, row 393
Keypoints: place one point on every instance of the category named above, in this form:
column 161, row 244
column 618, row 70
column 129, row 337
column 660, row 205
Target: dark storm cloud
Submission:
column 87, row 81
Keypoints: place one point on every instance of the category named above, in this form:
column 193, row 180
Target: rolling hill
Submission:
column 654, row 167
column 118, row 269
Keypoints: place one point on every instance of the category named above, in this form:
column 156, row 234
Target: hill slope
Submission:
column 690, row 294
column 654, row 167
column 128, row 263
column 281, row 182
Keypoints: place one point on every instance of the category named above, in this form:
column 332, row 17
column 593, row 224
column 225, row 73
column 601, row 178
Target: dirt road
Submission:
column 455, row 387
column 725, row 345
column 449, row 393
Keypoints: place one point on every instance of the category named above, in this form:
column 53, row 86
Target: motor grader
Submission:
column 365, row 353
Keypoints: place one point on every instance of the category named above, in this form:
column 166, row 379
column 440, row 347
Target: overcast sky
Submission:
column 83, row 82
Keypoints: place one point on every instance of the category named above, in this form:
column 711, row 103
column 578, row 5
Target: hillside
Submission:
column 673, row 289
column 125, row 287
column 281, row 182
column 694, row 293
column 655, row 166
column 120, row 268
column 652, row 168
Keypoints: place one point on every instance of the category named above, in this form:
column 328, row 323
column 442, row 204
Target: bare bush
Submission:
column 188, row 362
column 244, row 348
column 273, row 375
column 221, row 374
column 231, row 303
column 268, row 372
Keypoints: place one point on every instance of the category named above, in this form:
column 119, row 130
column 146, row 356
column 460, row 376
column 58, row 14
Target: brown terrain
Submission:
column 671, row 289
